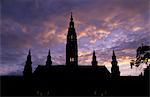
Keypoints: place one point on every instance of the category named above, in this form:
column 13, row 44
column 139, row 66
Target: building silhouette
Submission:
column 49, row 61
column 72, row 79
column 71, row 68
column 94, row 61
column 28, row 66
column 71, row 46
column 115, row 68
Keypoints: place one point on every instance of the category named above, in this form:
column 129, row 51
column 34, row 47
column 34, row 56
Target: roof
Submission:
column 62, row 71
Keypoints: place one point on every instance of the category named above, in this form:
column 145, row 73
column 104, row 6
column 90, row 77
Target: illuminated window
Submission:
column 71, row 59
column 71, row 36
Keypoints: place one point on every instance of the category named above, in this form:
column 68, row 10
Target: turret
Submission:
column 28, row 66
column 115, row 68
column 71, row 46
column 94, row 61
column 49, row 61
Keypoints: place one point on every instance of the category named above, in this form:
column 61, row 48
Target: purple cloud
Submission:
column 42, row 25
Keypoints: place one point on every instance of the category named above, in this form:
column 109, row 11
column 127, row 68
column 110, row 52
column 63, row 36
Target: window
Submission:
column 71, row 36
column 71, row 26
column 71, row 59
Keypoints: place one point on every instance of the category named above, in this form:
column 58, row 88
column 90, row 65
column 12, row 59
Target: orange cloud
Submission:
column 136, row 29
column 85, row 57
column 61, row 37
column 102, row 31
column 45, row 37
column 124, row 60
column 82, row 53
column 81, row 34
column 93, row 41
column 98, row 34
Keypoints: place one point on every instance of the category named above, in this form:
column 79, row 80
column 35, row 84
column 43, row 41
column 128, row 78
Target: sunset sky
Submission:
column 102, row 25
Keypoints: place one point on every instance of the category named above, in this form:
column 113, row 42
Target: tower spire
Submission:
column 115, row 68
column 71, row 46
column 49, row 53
column 28, row 66
column 49, row 61
column 113, row 53
column 29, row 52
column 114, row 56
column 71, row 25
column 71, row 17
column 94, row 61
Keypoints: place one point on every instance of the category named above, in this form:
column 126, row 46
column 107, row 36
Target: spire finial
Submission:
column 49, row 61
column 49, row 52
column 93, row 51
column 113, row 53
column 71, row 17
column 94, row 61
column 29, row 52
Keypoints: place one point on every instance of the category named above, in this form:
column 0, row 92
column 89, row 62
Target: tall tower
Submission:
column 49, row 61
column 71, row 46
column 28, row 68
column 115, row 68
column 94, row 61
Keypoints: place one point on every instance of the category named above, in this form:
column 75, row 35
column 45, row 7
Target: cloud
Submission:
column 136, row 29
column 102, row 25
column 44, row 38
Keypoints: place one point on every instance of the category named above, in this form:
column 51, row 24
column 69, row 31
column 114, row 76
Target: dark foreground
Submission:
column 122, row 86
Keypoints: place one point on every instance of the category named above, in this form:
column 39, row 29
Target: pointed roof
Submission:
column 49, row 53
column 29, row 58
column 114, row 53
column 93, row 52
column 94, row 56
column 48, row 61
column 71, row 25
column 114, row 56
column 29, row 52
column 71, row 17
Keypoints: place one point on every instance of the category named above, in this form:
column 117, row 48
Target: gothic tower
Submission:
column 94, row 61
column 28, row 68
column 71, row 46
column 49, row 61
column 115, row 68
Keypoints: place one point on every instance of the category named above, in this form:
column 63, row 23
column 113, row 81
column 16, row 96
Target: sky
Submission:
column 101, row 25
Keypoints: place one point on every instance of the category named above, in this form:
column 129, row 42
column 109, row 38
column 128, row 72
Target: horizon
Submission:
column 108, row 25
